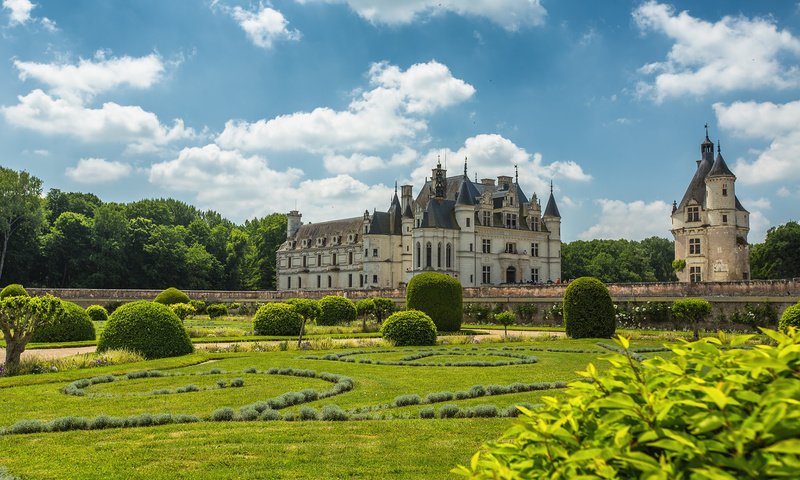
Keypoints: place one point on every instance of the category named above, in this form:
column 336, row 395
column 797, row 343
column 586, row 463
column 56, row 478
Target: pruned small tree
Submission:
column 505, row 318
column 693, row 310
column 20, row 317
column 383, row 307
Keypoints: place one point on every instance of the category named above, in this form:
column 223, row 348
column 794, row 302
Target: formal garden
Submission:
column 337, row 389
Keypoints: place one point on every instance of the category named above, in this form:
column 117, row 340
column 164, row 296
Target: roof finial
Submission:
column 706, row 130
column 516, row 174
column 438, row 161
column 551, row 186
column 465, row 168
column 719, row 150
column 476, row 177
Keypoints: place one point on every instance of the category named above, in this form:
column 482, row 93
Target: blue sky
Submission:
column 250, row 108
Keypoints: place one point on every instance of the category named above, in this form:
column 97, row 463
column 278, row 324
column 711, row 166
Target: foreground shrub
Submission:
column 790, row 318
column 182, row 310
column 335, row 309
column 692, row 310
column 705, row 412
column 216, row 310
column 71, row 324
column 409, row 327
column 170, row 296
column 13, row 290
column 97, row 313
column 440, row 296
column 588, row 309
column 277, row 319
column 149, row 328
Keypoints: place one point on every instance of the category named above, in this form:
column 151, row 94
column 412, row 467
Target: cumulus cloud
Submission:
column 263, row 26
column 98, row 170
column 633, row 221
column 731, row 54
column 759, row 224
column 19, row 13
column 358, row 162
column 242, row 186
column 386, row 115
column 509, row 14
column 779, row 124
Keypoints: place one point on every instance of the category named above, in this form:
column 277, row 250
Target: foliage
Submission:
column 182, row 310
column 409, row 327
column 526, row 312
column 477, row 312
column 20, row 207
column 779, row 255
column 505, row 319
column 588, row 309
column 199, row 306
column 20, row 318
column 277, row 319
column 149, row 328
column 306, row 307
column 97, row 313
column 790, row 318
column 72, row 323
column 614, row 261
column 13, row 290
column 365, row 307
column 170, row 296
column 335, row 309
column 216, row 310
column 692, row 310
column 678, row 264
column 383, row 307
column 756, row 316
column 440, row 296
column 704, row 412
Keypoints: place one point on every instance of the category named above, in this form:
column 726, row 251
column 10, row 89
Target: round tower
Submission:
column 293, row 223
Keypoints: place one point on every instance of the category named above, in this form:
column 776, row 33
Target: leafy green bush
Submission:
column 149, row 328
column 13, row 290
column 409, row 327
column 170, row 296
column 705, row 412
column 365, row 307
column 70, row 325
column 335, row 309
column 216, row 310
column 440, row 296
column 199, row 306
column 182, row 310
column 277, row 319
column 588, row 309
column 790, row 318
column 383, row 307
column 97, row 313
column 692, row 310
column 306, row 307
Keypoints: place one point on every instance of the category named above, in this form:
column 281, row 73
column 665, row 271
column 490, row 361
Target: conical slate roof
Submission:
column 551, row 210
column 465, row 194
column 720, row 168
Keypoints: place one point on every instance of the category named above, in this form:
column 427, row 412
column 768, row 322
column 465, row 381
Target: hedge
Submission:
column 148, row 328
column 409, row 327
column 170, row 296
column 335, row 309
column 97, row 313
column 440, row 296
column 790, row 318
column 277, row 319
column 13, row 290
column 71, row 325
column 588, row 309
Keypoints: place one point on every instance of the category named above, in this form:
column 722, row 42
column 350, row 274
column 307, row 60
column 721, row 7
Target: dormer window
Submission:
column 692, row 214
column 535, row 224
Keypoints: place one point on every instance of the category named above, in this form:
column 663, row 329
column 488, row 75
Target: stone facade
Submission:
column 483, row 233
column 710, row 225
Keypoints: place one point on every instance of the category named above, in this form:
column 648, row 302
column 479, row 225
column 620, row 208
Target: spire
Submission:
column 465, row 167
column 707, row 132
column 516, row 174
column 719, row 150
column 551, row 210
column 395, row 188
column 720, row 168
column 551, row 186
column 707, row 148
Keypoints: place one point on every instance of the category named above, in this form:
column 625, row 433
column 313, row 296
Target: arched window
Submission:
column 419, row 255
column 449, row 256
column 428, row 254
column 439, row 255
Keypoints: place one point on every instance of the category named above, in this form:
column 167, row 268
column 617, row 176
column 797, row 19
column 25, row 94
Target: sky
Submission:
column 250, row 108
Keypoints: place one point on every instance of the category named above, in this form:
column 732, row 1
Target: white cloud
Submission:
column 777, row 123
column 263, row 27
column 757, row 203
column 91, row 77
column 98, row 170
column 19, row 11
column 633, row 221
column 758, row 227
column 384, row 116
column 358, row 162
column 732, row 54
column 509, row 14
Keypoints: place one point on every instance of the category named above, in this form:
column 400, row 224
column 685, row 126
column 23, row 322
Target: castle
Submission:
column 483, row 233
column 710, row 225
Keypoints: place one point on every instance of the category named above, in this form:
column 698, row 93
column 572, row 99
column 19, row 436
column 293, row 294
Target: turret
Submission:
column 293, row 223
column 720, row 189
column 552, row 218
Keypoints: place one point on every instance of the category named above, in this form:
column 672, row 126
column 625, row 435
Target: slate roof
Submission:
column 440, row 214
column 551, row 210
column 706, row 168
column 720, row 168
column 326, row 230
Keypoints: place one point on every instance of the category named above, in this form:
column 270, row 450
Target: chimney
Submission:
column 405, row 196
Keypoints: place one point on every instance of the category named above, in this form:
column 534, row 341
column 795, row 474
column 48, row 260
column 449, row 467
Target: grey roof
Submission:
column 380, row 224
column 327, row 229
column 407, row 213
column 466, row 195
column 439, row 214
column 551, row 210
column 697, row 187
column 720, row 168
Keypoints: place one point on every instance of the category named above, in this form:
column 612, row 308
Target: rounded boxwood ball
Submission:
column 409, row 327
column 790, row 318
column 588, row 309
column 13, row 290
column 172, row 295
column 438, row 295
column 335, row 309
column 277, row 319
column 71, row 325
column 148, row 328
column 97, row 313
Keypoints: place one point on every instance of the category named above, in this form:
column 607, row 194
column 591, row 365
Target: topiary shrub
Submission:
column 438, row 295
column 13, row 290
column 148, row 328
column 97, row 313
column 216, row 310
column 790, row 318
column 72, row 324
column 409, row 327
column 277, row 319
column 703, row 412
column 170, row 296
column 335, row 309
column 383, row 307
column 306, row 307
column 182, row 310
column 588, row 309
column 199, row 306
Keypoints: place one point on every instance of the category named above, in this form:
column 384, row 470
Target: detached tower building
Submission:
column 710, row 225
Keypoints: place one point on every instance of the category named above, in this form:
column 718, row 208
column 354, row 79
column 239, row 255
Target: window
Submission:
column 319, row 281
column 694, row 246
column 333, row 259
column 449, row 256
column 374, row 252
column 428, row 254
column 288, row 262
column 330, row 281
column 535, row 224
column 471, row 279
column 419, row 255
column 470, row 247
column 487, row 274
column 511, row 220
column 349, row 279
column 366, row 253
column 439, row 255
column 467, row 221
column 288, row 282
column 319, row 260
column 487, row 219
column 724, row 189
column 511, row 248
column 724, row 219
column 299, row 282
column 361, row 280
column 695, row 274
column 487, row 245
column 692, row 214
column 534, row 249
column 305, row 261
column 375, row 279
column 534, row 275
column 350, row 259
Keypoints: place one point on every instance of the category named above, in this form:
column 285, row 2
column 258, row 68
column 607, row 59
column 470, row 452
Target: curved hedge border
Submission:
column 408, row 360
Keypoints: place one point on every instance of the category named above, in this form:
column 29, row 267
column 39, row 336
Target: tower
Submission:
column 293, row 223
column 552, row 221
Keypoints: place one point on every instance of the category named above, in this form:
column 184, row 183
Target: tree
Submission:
column 67, row 250
column 693, row 310
column 266, row 235
column 20, row 317
column 779, row 255
column 20, row 206
column 383, row 307
column 505, row 318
